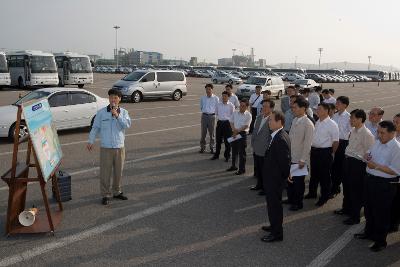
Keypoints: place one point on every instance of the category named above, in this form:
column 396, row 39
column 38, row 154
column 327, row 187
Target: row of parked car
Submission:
column 325, row 78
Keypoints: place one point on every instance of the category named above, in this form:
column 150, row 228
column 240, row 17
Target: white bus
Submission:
column 32, row 68
column 4, row 73
column 74, row 69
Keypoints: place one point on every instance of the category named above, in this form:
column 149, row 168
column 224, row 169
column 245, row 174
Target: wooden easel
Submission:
column 17, row 179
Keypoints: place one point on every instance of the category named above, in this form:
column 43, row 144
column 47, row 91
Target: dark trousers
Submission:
column 295, row 190
column 258, row 163
column 273, row 193
column 223, row 132
column 395, row 212
column 337, row 166
column 253, row 119
column 239, row 149
column 379, row 195
column 321, row 163
column 353, row 186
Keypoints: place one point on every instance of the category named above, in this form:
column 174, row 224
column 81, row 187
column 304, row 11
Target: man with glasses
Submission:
column 374, row 117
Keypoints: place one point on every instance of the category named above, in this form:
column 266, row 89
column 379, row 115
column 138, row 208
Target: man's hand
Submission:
column 89, row 147
column 368, row 157
column 289, row 179
column 301, row 165
column 372, row 165
column 114, row 113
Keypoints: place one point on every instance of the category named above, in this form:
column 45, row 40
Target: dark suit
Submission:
column 276, row 170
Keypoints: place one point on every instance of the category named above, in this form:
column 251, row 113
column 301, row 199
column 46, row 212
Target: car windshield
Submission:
column 256, row 81
column 3, row 64
column 134, row 76
column 43, row 64
column 80, row 65
column 301, row 81
column 32, row 96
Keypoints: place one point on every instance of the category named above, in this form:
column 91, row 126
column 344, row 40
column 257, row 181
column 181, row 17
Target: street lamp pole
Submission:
column 116, row 27
column 320, row 54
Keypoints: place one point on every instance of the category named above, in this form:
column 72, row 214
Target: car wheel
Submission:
column 80, row 85
column 136, row 97
column 23, row 131
column 230, row 82
column 215, row 81
column 177, row 95
column 279, row 95
column 21, row 82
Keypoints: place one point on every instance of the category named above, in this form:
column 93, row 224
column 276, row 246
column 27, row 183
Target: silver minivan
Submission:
column 142, row 84
column 272, row 83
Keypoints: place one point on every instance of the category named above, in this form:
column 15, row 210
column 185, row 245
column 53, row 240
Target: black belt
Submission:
column 209, row 114
column 321, row 148
column 389, row 180
column 223, row 120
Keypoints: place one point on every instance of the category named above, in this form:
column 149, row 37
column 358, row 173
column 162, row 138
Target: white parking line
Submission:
column 97, row 230
column 328, row 254
column 127, row 135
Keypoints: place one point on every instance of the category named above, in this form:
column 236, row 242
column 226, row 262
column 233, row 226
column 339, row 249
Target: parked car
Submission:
column 70, row 107
column 142, row 84
column 290, row 77
column 223, row 77
column 272, row 83
column 305, row 83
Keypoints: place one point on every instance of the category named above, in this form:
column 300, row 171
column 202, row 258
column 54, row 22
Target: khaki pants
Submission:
column 111, row 159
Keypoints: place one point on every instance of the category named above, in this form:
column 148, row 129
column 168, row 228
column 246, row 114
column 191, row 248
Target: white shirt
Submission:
column 209, row 104
column 240, row 120
column 343, row 122
column 273, row 134
column 387, row 155
column 360, row 142
column 373, row 128
column 224, row 111
column 330, row 100
column 255, row 100
column 325, row 133
column 234, row 100
column 314, row 101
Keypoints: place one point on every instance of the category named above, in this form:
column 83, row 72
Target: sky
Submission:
column 279, row 31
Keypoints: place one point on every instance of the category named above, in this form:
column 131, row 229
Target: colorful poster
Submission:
column 44, row 136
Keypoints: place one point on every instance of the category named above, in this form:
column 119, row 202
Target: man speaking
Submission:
column 110, row 122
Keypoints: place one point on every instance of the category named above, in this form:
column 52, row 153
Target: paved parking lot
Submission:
column 183, row 209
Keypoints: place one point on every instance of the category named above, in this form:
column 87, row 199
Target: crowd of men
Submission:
column 314, row 134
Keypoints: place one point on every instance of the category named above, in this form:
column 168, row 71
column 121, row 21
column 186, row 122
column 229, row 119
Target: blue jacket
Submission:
column 112, row 130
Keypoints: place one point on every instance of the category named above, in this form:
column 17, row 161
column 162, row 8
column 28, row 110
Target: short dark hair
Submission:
column 279, row 116
column 302, row 102
column 225, row 93
column 268, row 92
column 290, row 87
column 332, row 91
column 305, row 90
column 258, row 86
column 325, row 91
column 381, row 111
column 115, row 92
column 245, row 100
column 359, row 114
column 331, row 106
column 388, row 125
column 270, row 101
column 229, row 86
column 297, row 85
column 318, row 88
column 326, row 106
column 209, row 85
column 344, row 100
column 397, row 115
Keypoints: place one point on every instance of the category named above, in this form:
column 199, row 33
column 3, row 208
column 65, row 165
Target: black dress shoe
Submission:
column 361, row 236
column 320, row 203
column 261, row 193
column 266, row 228
column 226, row 159
column 339, row 212
column 105, row 201
column 201, row 151
column 211, row 151
column 271, row 238
column 351, row 221
column 376, row 247
column 231, row 169
column 286, row 201
column 214, row 158
column 120, row 196
column 310, row 196
column 296, row 207
column 240, row 172
column 255, row 188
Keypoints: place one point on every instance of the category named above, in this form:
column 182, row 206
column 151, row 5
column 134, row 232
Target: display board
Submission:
column 43, row 134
